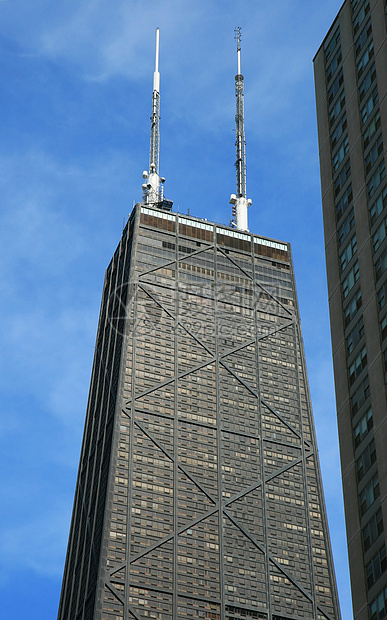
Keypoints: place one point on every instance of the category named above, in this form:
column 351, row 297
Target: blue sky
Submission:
column 75, row 101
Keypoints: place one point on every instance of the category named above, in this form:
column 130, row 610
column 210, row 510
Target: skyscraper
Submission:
column 351, row 89
column 199, row 492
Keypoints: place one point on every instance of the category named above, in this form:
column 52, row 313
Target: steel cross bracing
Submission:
column 220, row 506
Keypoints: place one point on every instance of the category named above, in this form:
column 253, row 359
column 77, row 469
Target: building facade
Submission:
column 199, row 492
column 351, row 95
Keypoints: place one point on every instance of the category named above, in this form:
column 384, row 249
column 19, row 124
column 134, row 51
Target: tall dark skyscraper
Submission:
column 351, row 95
column 199, row 492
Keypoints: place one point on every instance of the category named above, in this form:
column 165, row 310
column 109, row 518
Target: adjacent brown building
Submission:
column 351, row 94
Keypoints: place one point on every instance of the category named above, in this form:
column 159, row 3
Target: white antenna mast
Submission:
column 239, row 201
column 153, row 189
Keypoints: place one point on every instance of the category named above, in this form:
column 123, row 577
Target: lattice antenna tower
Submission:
column 239, row 200
column 153, row 188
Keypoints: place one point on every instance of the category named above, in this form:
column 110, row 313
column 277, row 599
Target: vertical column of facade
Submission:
column 350, row 70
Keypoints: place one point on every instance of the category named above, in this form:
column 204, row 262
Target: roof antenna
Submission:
column 153, row 188
column 239, row 201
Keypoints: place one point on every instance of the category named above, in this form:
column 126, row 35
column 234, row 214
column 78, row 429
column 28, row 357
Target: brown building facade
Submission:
column 351, row 96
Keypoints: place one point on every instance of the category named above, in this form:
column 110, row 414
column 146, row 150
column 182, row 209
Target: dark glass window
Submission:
column 367, row 82
column 372, row 530
column 378, row 607
column 376, row 179
column 381, row 265
column 334, row 112
column 350, row 280
column 340, row 154
column 382, row 295
column 383, row 327
column 344, row 202
column 334, row 64
column 371, row 129
column 358, row 364
column 352, row 308
column 369, row 494
column 363, row 427
column 378, row 206
column 380, row 234
column 376, row 567
column 342, row 177
column 363, row 36
column 366, row 460
column 348, row 253
column 339, row 130
column 355, row 336
column 334, row 89
column 331, row 45
column 369, row 105
column 366, row 57
column 373, row 155
column 346, row 227
column 360, row 395
column 360, row 17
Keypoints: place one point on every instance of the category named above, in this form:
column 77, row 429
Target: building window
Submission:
column 331, row 45
column 363, row 36
column 374, row 153
column 376, row 567
column 369, row 494
column 342, row 178
column 371, row 129
column 367, row 82
column 338, row 132
column 360, row 396
column 372, row 530
column 376, row 179
column 358, row 364
column 382, row 295
column 378, row 607
column 355, row 336
column 348, row 253
column 383, row 327
column 350, row 280
column 359, row 19
column 379, row 236
column 333, row 65
column 378, row 206
column 344, row 202
column 340, row 153
column 381, row 265
column 363, row 427
column 366, row 460
column 366, row 57
column 346, row 227
column 352, row 308
column 369, row 105
column 334, row 89
column 336, row 109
